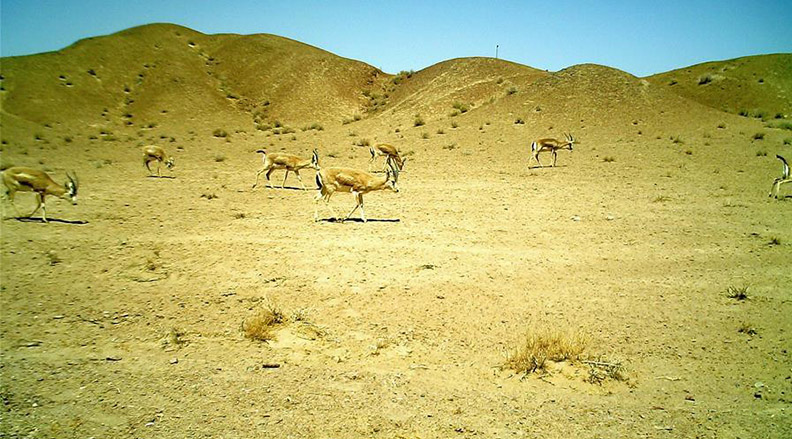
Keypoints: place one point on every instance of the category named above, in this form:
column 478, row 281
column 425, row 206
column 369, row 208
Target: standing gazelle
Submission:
column 552, row 145
column 289, row 162
column 24, row 179
column 783, row 179
column 389, row 152
column 153, row 153
column 357, row 182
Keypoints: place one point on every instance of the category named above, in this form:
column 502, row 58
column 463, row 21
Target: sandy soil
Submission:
column 130, row 325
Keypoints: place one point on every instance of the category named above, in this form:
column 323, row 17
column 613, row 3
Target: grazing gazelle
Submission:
column 550, row 144
column 289, row 162
column 783, row 179
column 389, row 152
column 153, row 153
column 357, row 182
column 24, row 179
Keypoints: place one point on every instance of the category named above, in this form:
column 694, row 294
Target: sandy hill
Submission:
column 156, row 74
column 756, row 86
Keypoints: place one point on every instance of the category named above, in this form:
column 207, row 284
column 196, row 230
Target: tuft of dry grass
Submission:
column 740, row 293
column 542, row 345
column 602, row 369
column 260, row 325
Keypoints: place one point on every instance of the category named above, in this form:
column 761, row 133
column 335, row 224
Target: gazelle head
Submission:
column 315, row 159
column 170, row 163
column 392, row 176
column 570, row 141
column 71, row 187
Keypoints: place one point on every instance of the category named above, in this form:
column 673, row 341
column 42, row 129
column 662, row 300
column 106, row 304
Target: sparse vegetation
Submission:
column 511, row 91
column 608, row 159
column 677, row 140
column 738, row 293
column 260, row 326
column 747, row 329
column 758, row 136
column 661, row 199
column 418, row 121
column 461, row 108
column 219, row 133
column 782, row 125
column 602, row 369
column 706, row 79
column 541, row 345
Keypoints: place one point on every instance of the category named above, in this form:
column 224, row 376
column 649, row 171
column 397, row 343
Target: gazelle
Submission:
column 783, row 179
column 550, row 144
column 389, row 152
column 289, row 162
column 357, row 182
column 24, row 179
column 153, row 153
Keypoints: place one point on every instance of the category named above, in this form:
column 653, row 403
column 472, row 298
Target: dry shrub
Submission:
column 738, row 293
column 260, row 325
column 542, row 345
column 602, row 369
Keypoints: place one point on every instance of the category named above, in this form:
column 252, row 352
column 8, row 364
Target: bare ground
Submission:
column 130, row 325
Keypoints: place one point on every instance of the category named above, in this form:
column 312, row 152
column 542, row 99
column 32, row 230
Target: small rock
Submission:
column 576, row 218
column 174, row 361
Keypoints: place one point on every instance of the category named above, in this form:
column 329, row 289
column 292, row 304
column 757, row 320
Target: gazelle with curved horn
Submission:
column 783, row 179
column 389, row 152
column 153, row 153
column 289, row 162
column 357, row 182
column 22, row 179
column 550, row 144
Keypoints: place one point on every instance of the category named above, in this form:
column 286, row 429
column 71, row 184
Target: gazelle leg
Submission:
column 10, row 194
column 360, row 203
column 269, row 184
column 257, row 177
column 773, row 187
column 319, row 197
column 297, row 172
column 43, row 209
column 357, row 204
column 555, row 158
column 778, row 186
column 536, row 156
column 147, row 162
column 39, row 201
column 284, row 179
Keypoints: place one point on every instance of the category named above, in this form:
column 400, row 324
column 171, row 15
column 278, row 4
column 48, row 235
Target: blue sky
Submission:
column 640, row 37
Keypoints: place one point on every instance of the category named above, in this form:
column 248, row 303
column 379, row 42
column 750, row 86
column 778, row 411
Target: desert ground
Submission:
column 125, row 316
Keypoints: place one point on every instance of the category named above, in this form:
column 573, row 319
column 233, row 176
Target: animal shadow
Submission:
column 360, row 220
column 30, row 219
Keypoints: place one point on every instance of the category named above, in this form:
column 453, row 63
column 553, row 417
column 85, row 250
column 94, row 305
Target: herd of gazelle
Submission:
column 328, row 180
column 335, row 179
